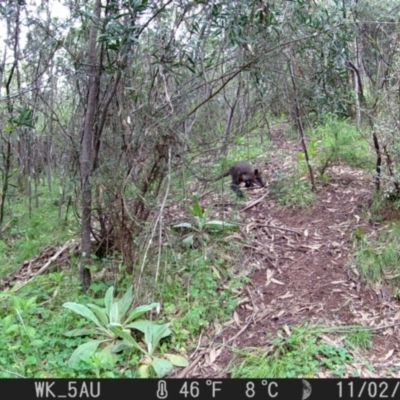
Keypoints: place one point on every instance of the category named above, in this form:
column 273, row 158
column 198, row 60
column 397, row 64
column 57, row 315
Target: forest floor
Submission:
column 299, row 262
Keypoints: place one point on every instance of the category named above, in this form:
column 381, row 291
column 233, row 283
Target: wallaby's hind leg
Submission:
column 236, row 189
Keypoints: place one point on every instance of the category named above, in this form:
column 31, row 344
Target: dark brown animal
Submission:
column 240, row 172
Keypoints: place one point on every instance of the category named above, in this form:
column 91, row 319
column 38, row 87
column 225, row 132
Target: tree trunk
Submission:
column 300, row 127
column 87, row 152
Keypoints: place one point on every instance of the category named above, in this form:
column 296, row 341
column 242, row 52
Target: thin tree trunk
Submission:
column 358, row 89
column 300, row 127
column 87, row 152
column 6, row 177
column 229, row 120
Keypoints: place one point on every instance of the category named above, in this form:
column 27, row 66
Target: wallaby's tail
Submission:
column 207, row 180
column 214, row 179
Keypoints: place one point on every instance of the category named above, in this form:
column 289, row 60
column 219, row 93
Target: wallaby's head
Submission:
column 258, row 179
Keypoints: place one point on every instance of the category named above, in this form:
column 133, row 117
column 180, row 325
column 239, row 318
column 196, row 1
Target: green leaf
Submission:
column 117, row 324
column 83, row 311
column 142, row 324
column 199, row 221
column 108, row 299
column 220, row 225
column 153, row 332
column 143, row 371
column 185, row 225
column 161, row 367
column 31, row 331
column 127, row 337
column 188, row 241
column 114, row 313
column 125, row 303
column 177, row 360
column 206, row 213
column 138, row 311
column 100, row 313
column 80, row 332
column 12, row 330
column 196, row 209
column 37, row 343
column 120, row 346
column 84, row 350
column 108, row 353
column 190, row 68
column 30, row 360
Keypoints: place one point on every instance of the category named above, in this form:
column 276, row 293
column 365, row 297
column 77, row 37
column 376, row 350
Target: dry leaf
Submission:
column 286, row 295
column 216, row 272
column 287, row 330
column 214, row 354
column 237, row 319
column 269, row 276
column 270, row 273
column 388, row 354
column 276, row 281
column 312, row 247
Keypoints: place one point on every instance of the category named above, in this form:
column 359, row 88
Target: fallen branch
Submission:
column 282, row 229
column 255, row 202
column 186, row 370
column 235, row 336
column 47, row 264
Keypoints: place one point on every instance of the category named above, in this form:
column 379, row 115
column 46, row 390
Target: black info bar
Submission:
column 201, row 389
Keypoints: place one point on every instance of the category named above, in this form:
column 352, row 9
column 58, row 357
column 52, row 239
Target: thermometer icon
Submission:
column 162, row 390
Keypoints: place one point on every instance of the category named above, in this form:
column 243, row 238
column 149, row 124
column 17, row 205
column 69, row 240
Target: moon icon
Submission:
column 306, row 389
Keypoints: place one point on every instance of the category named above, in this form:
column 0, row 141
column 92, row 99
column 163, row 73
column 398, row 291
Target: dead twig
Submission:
column 279, row 228
column 12, row 373
column 205, row 194
column 254, row 306
column 235, row 336
column 255, row 202
column 191, row 366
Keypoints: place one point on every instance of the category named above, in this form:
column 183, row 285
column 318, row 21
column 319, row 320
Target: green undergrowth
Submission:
column 338, row 142
column 376, row 257
column 28, row 234
column 32, row 322
column 292, row 190
column 384, row 207
column 196, row 290
column 202, row 292
column 334, row 142
column 303, row 352
column 199, row 283
column 248, row 148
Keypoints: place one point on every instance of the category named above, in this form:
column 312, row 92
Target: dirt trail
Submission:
column 300, row 274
